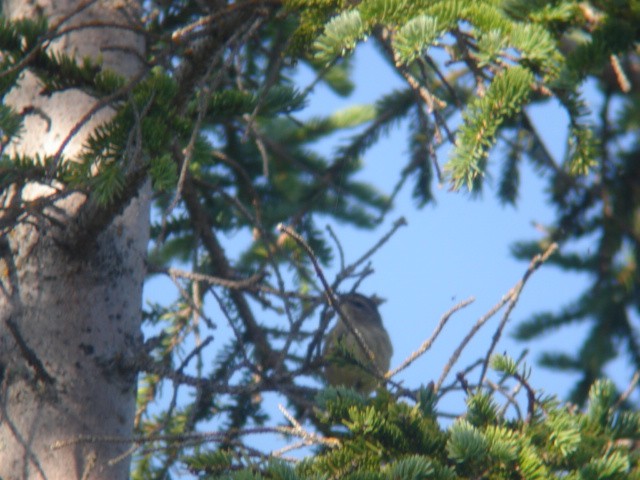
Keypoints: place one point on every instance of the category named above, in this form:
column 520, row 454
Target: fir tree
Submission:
column 199, row 116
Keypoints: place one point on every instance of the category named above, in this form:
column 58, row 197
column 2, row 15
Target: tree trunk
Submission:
column 70, row 314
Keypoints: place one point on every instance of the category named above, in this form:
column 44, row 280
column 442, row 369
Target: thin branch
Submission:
column 188, row 151
column 192, row 302
column 276, row 58
column 510, row 396
column 308, row 437
column 427, row 344
column 470, row 61
column 401, row 222
column 338, row 246
column 443, row 80
column 99, row 105
column 236, row 332
column 531, row 396
column 630, row 388
column 28, row 354
column 514, row 295
column 331, row 298
column 453, row 385
column 485, row 318
column 215, row 436
column 184, row 34
column 202, row 224
column 202, row 111
column 250, row 282
column 621, row 77
column 52, row 34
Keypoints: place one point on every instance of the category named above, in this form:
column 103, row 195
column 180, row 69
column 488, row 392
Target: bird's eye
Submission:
column 359, row 305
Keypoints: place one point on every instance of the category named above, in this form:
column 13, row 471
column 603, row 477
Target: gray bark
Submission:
column 70, row 314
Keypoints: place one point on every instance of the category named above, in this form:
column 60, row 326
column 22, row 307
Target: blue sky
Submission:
column 457, row 248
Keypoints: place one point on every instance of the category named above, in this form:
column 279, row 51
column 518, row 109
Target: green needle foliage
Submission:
column 492, row 60
column 383, row 438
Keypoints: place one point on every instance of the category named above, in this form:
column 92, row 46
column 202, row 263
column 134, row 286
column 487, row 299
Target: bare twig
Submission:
column 427, row 344
column 630, row 388
column 28, row 354
column 470, row 61
column 516, row 389
column 330, row 296
column 211, row 280
column 401, row 222
column 308, row 438
column 531, row 396
column 453, row 386
column 173, row 438
column 510, row 396
column 202, row 224
column 188, row 151
column 338, row 246
column 44, row 42
column 196, row 28
column 621, row 76
column 240, row 35
column 191, row 301
column 99, row 105
column 236, row 332
column 514, row 295
column 485, row 318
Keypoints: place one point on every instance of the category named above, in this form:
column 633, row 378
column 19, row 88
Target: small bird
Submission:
column 354, row 369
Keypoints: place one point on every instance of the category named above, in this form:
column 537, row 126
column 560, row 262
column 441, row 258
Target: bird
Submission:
column 346, row 362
